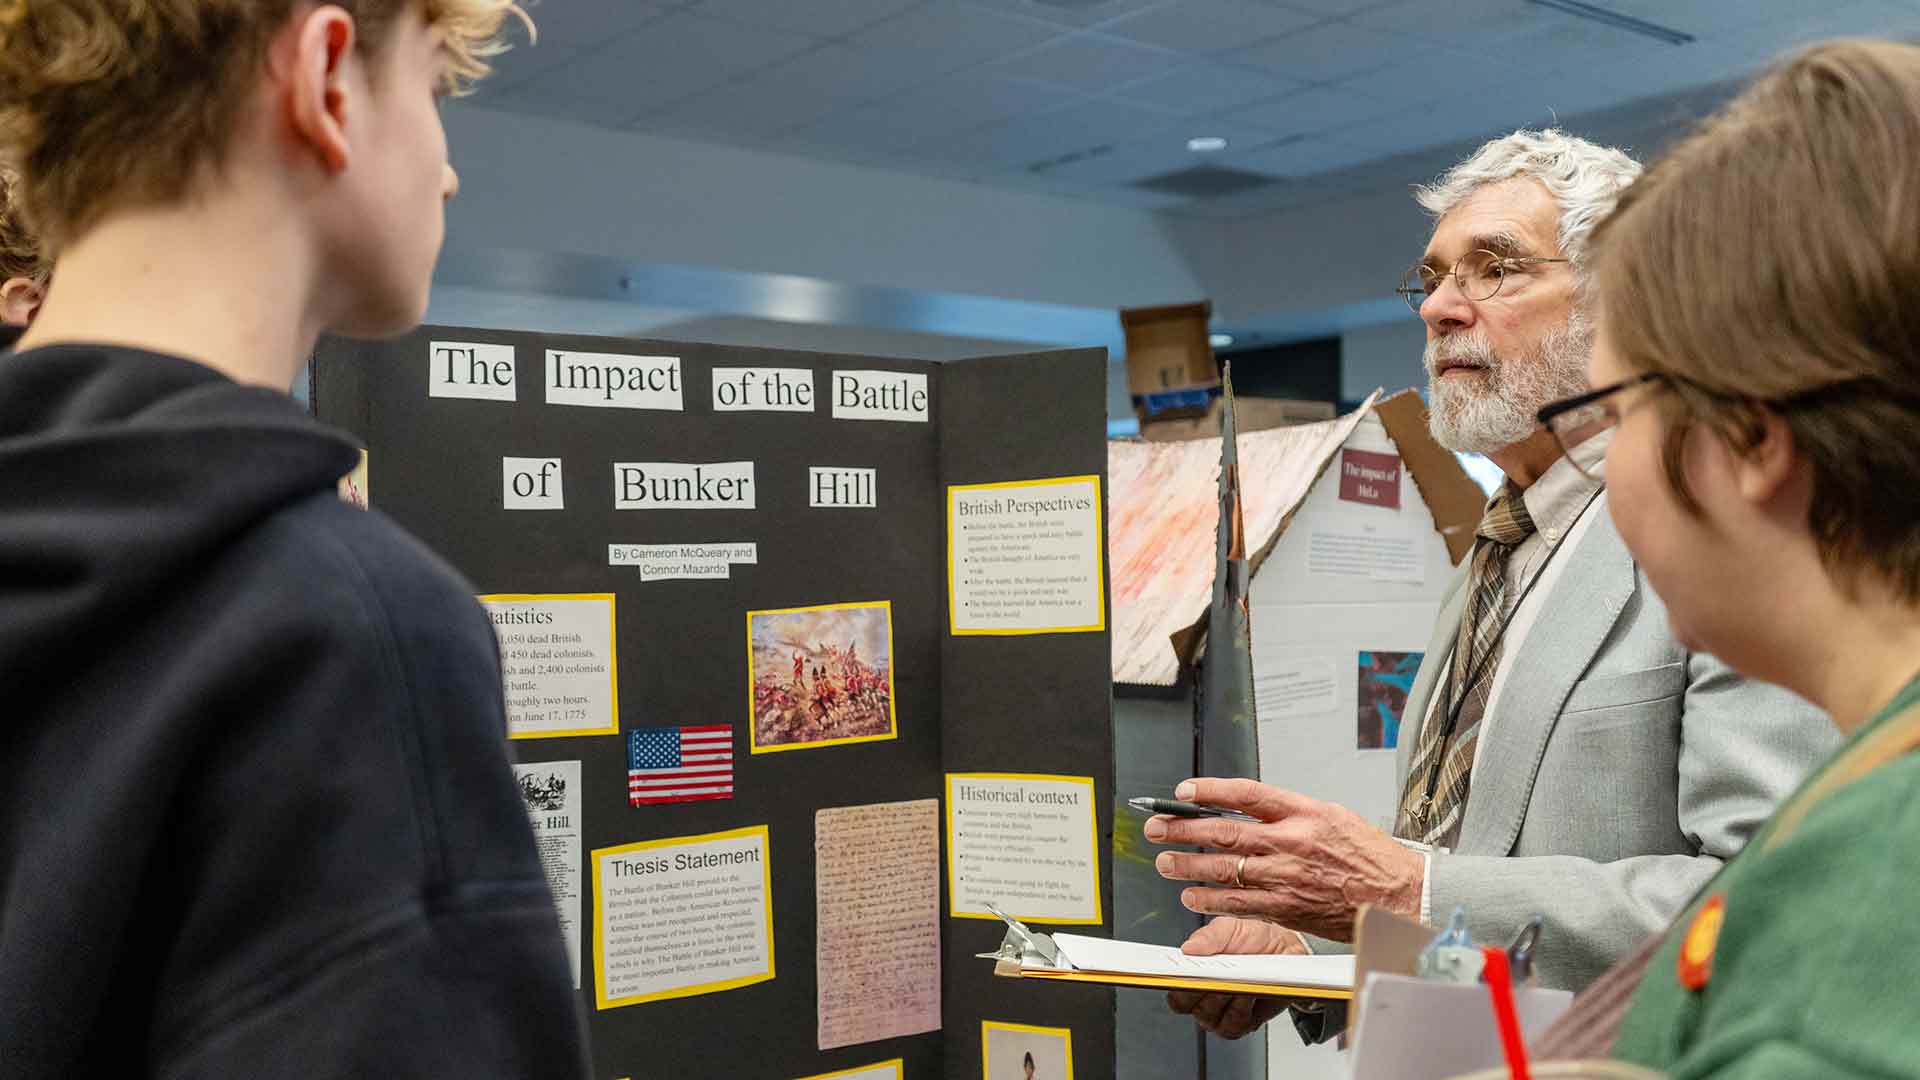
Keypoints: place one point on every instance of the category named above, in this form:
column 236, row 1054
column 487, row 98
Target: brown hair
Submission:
column 20, row 255
column 111, row 103
column 1771, row 261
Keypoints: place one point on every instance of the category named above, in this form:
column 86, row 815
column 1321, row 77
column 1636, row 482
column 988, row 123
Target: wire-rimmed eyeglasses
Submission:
column 1479, row 274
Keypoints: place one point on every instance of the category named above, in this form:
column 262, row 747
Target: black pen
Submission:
column 1176, row 808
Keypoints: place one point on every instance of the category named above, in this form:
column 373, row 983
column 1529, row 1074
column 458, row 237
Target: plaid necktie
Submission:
column 1476, row 653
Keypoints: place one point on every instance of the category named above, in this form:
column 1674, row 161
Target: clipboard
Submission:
column 1027, row 954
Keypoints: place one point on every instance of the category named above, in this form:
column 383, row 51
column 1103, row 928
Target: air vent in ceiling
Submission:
column 1206, row 182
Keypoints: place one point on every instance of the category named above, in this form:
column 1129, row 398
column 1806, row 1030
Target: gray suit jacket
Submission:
column 1620, row 772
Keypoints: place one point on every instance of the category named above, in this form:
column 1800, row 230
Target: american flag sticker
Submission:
column 679, row 764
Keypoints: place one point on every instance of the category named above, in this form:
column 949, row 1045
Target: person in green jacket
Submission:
column 1758, row 361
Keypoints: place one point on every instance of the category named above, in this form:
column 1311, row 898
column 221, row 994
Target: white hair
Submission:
column 1585, row 178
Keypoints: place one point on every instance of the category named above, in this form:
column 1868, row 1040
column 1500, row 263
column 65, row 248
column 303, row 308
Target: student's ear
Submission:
column 20, row 301
column 311, row 61
column 1767, row 466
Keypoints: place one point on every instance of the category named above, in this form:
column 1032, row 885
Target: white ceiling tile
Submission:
column 740, row 110
column 1489, row 113
column 676, row 57
column 1386, row 93
column 566, row 24
column 1535, row 86
column 982, row 88
column 1072, row 16
column 1702, row 63
column 1339, row 8
column 1710, row 18
column 1770, row 40
column 1104, row 120
column 946, row 107
column 1039, row 140
column 1469, row 24
column 1089, row 62
column 1412, row 129
column 1209, row 26
column 1430, row 76
column 835, row 137
column 564, row 30
column 601, row 93
column 1328, row 51
column 818, row 18
column 838, row 73
column 1577, row 68
column 1305, row 111
column 947, row 36
column 1204, row 87
column 1579, row 41
column 1542, row 105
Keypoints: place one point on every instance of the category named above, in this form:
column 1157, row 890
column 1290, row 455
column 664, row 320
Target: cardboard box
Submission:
column 1167, row 348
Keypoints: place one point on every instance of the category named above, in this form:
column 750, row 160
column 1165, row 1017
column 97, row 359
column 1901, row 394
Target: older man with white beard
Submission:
column 1562, row 754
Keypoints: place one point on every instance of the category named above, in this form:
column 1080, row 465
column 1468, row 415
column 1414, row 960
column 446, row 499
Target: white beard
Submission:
column 1486, row 413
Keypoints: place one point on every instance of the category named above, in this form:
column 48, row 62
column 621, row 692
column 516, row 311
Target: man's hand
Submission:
column 1232, row 1015
column 1308, row 864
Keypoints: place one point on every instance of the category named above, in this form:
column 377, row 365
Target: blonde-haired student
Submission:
column 259, row 820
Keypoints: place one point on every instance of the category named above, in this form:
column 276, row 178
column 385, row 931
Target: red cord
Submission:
column 1500, row 985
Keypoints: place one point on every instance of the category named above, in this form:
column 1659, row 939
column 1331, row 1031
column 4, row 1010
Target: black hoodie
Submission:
column 258, row 819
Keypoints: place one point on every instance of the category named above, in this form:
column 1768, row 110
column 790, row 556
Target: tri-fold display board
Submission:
column 806, row 662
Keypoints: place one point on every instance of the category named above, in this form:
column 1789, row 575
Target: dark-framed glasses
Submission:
column 1577, row 421
column 1478, row 273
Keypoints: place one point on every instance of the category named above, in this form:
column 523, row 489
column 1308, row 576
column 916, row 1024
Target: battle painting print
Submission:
column 820, row 676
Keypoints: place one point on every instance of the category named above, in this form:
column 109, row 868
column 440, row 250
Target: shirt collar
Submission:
column 1555, row 501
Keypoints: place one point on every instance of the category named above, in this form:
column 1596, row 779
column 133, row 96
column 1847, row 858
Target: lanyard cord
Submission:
column 1479, row 667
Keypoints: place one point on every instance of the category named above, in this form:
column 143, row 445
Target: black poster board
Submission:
column 1035, row 703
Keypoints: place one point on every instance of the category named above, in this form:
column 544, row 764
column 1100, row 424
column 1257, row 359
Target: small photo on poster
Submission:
column 551, row 791
column 820, row 676
column 1385, row 679
column 1025, row 1052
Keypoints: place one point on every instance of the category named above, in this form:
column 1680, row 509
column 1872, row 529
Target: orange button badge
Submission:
column 1703, row 934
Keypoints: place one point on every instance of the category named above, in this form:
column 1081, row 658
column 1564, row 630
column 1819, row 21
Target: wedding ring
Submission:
column 1238, row 883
